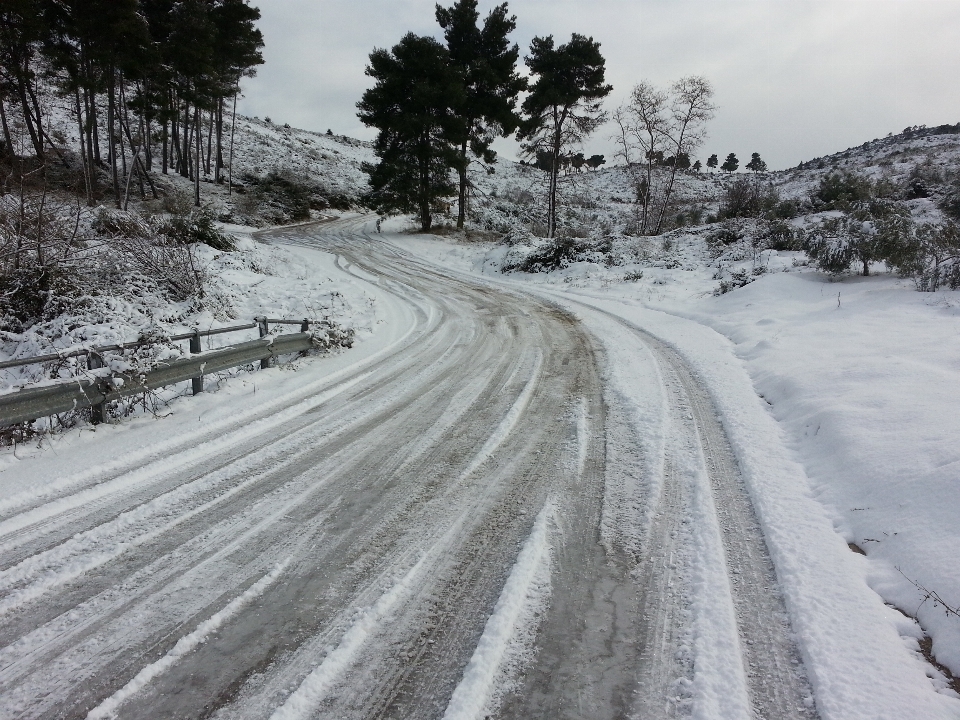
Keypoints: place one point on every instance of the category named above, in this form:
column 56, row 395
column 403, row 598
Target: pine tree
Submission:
column 99, row 45
column 595, row 161
column 412, row 105
column 730, row 164
column 486, row 65
column 237, row 51
column 21, row 29
column 712, row 161
column 697, row 166
column 756, row 164
column 564, row 104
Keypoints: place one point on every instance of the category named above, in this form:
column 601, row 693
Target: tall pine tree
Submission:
column 486, row 64
column 411, row 105
column 564, row 104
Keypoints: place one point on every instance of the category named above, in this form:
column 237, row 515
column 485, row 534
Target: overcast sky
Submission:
column 794, row 79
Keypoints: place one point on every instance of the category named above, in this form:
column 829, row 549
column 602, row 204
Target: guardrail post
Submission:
column 264, row 331
column 305, row 325
column 97, row 411
column 194, row 349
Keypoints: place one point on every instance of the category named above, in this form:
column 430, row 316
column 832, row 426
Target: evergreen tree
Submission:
column 697, row 166
column 486, row 64
column 21, row 29
column 712, row 161
column 564, row 104
column 756, row 164
column 237, row 52
column 730, row 164
column 154, row 61
column 411, row 105
column 595, row 161
column 98, row 46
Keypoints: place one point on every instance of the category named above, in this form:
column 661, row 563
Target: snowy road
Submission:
column 470, row 523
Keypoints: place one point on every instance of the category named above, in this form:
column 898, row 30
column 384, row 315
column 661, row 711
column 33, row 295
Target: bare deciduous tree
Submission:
column 653, row 123
column 644, row 128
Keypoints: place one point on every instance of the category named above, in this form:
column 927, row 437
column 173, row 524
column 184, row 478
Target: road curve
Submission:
column 445, row 532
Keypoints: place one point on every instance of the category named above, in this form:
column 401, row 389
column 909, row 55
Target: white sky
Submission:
column 795, row 79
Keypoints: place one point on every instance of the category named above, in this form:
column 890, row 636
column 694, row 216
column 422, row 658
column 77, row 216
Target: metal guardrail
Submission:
column 95, row 392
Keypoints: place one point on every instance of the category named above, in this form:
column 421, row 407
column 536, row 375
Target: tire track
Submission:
column 774, row 675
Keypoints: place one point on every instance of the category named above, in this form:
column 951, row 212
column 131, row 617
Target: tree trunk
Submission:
column 153, row 188
column 95, row 129
column 136, row 165
column 218, row 162
column 146, row 133
column 87, row 170
column 28, row 118
column 111, row 113
column 426, row 219
column 866, row 268
column 7, row 140
column 174, row 139
column 554, row 178
column 185, row 153
column 196, row 174
column 233, row 132
column 123, row 118
column 91, row 157
column 462, row 214
column 206, row 167
column 39, row 116
column 163, row 141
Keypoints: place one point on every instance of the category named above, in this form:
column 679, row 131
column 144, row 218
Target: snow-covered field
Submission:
column 840, row 400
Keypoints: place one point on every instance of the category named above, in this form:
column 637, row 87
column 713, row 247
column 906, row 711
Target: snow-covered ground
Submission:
column 839, row 398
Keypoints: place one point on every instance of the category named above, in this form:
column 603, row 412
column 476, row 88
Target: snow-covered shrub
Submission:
column 200, row 227
column 779, row 235
column 328, row 335
column 726, row 234
column 152, row 247
column 862, row 235
column 747, row 197
column 840, row 190
column 738, row 279
column 560, row 252
column 929, row 253
column 39, row 245
column 279, row 197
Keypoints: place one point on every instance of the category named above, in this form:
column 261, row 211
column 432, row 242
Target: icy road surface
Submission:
column 470, row 523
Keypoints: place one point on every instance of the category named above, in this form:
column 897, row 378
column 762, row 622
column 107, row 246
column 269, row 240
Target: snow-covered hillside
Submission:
column 109, row 292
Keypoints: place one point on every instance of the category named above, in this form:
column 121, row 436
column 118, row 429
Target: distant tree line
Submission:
column 437, row 107
column 155, row 73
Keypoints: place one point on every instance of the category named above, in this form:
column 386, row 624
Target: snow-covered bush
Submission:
column 278, row 197
column 747, row 197
column 779, row 235
column 560, row 252
column 929, row 253
column 863, row 235
column 839, row 190
column 39, row 247
column 156, row 248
